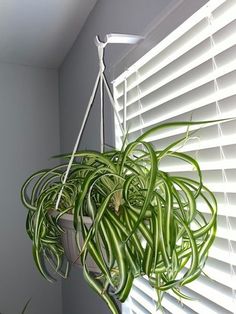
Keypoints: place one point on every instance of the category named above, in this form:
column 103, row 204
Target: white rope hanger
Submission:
column 102, row 81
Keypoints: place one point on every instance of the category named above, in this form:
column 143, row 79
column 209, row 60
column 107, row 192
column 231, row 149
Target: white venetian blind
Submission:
column 192, row 74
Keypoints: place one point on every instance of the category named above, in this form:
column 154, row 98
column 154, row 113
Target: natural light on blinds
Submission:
column 191, row 74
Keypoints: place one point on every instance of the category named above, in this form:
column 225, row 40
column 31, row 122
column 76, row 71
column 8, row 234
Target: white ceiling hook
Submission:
column 123, row 39
column 99, row 43
column 118, row 39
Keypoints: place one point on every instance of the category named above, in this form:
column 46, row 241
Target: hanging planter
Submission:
column 69, row 242
column 120, row 210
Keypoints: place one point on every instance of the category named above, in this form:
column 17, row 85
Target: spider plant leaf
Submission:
column 136, row 241
column 194, row 254
column 95, row 254
column 194, row 164
column 147, row 260
column 190, row 200
column 100, row 213
column 212, row 206
column 150, row 183
column 176, row 124
column 169, row 221
column 181, row 294
column 162, row 241
column 96, row 155
column 26, row 305
column 97, row 287
column 126, row 290
column 119, row 252
column 107, row 245
column 142, row 228
column 84, row 190
column 37, row 255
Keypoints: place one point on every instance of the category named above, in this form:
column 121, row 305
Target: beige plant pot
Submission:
column 69, row 241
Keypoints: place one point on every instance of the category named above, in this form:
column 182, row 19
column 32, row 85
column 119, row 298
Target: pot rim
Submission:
column 69, row 217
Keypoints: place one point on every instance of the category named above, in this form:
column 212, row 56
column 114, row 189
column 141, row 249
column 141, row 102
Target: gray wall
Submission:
column 77, row 75
column 29, row 134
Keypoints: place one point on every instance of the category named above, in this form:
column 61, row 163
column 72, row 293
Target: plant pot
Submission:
column 69, row 241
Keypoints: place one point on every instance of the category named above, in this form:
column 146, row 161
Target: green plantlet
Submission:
column 145, row 222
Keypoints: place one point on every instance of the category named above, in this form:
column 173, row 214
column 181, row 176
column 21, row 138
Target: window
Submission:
column 192, row 74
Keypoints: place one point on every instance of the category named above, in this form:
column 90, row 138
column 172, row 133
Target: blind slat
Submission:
column 158, row 81
column 217, row 270
column 224, row 209
column 195, row 35
column 144, row 287
column 201, row 304
column 219, row 164
column 168, row 302
column 189, row 107
column 220, row 251
column 204, row 131
column 215, row 292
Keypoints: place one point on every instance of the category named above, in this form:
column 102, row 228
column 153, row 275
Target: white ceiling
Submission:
column 40, row 32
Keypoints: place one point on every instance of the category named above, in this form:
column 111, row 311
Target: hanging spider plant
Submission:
column 144, row 221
